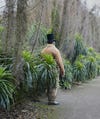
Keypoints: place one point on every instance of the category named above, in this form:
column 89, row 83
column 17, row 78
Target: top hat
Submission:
column 50, row 38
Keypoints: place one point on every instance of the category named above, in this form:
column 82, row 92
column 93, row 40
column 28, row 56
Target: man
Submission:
column 51, row 49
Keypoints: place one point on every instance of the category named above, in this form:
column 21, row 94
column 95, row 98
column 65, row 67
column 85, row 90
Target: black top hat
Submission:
column 50, row 38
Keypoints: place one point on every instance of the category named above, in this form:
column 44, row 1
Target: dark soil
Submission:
column 28, row 110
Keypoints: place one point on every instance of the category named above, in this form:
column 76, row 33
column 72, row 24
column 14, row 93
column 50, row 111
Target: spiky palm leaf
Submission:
column 91, row 67
column 66, row 81
column 47, row 72
column 79, row 71
column 79, row 47
column 6, row 88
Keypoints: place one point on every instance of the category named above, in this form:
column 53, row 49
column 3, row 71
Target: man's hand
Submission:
column 62, row 73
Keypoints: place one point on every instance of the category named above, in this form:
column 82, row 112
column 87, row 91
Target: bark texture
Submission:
column 69, row 17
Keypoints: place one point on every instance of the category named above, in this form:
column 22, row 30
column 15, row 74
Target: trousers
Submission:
column 52, row 92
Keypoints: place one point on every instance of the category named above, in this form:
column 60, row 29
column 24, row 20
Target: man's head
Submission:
column 50, row 38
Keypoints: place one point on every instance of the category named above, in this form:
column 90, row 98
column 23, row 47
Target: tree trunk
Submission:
column 9, row 20
column 21, row 27
column 64, row 24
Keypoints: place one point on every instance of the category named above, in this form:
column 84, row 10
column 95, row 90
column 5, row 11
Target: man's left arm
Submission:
column 60, row 63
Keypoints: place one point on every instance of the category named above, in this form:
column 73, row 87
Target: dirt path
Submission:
column 82, row 102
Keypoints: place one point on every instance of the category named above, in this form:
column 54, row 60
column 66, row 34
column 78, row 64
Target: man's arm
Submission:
column 59, row 61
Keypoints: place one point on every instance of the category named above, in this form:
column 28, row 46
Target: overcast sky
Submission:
column 91, row 3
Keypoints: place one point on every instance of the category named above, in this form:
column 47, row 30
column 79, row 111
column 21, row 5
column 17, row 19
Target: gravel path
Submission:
column 82, row 102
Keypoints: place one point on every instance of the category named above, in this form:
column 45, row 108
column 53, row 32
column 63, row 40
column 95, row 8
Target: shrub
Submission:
column 6, row 88
column 6, row 60
column 47, row 72
column 28, row 57
column 98, row 70
column 39, row 71
column 98, row 63
column 91, row 51
column 91, row 67
column 79, row 71
column 66, row 81
column 30, row 72
column 79, row 47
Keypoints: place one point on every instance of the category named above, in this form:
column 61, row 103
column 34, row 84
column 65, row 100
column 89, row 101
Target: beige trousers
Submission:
column 52, row 92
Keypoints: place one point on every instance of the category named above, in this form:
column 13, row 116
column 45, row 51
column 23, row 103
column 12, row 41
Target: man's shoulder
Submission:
column 56, row 49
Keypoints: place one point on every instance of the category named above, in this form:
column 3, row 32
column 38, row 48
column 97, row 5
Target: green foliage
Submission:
column 84, row 60
column 28, row 57
column 79, row 71
column 91, row 52
column 90, row 64
column 6, row 88
column 49, row 31
column 30, row 72
column 98, row 63
column 47, row 72
column 66, row 81
column 39, row 71
column 5, row 74
column 91, row 67
column 48, row 59
column 6, row 60
column 32, row 32
column 94, row 59
column 81, row 58
column 79, row 47
column 30, row 75
column 1, row 28
column 98, row 70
